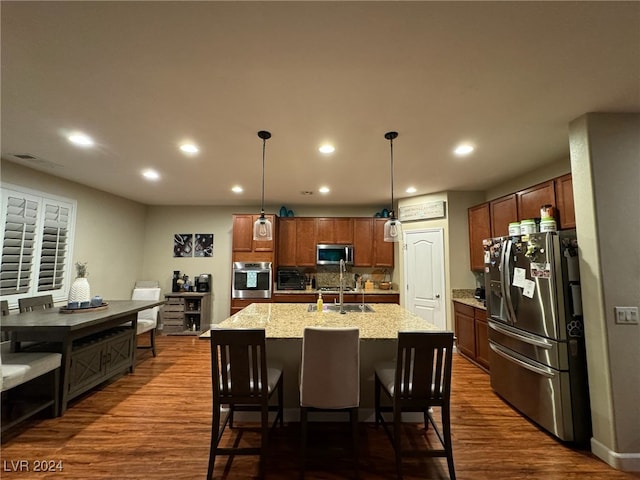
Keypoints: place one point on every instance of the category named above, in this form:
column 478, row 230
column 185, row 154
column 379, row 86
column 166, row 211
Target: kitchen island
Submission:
column 284, row 324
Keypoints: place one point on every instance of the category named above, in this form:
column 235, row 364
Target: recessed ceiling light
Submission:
column 189, row 148
column 463, row 149
column 411, row 190
column 81, row 139
column 324, row 189
column 237, row 189
column 326, row 148
column 151, row 174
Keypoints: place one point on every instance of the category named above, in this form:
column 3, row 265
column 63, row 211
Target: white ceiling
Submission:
column 141, row 77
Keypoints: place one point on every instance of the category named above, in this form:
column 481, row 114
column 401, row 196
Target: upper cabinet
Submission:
column 492, row 219
column 369, row 247
column 531, row 199
column 479, row 229
column 297, row 242
column 564, row 202
column 382, row 251
column 287, row 242
column 243, row 234
column 298, row 237
column 306, row 242
column 504, row 210
column 334, row 230
column 245, row 248
column 362, row 242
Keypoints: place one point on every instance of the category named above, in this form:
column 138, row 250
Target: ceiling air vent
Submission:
column 35, row 161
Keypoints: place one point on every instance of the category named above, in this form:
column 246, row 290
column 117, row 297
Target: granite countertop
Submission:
column 471, row 301
column 287, row 320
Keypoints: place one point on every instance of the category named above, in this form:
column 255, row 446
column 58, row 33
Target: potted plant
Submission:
column 80, row 290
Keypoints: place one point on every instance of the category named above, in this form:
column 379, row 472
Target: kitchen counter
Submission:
column 471, row 301
column 284, row 324
column 287, row 320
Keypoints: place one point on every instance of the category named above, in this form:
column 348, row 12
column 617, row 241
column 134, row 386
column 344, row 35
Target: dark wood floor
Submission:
column 155, row 424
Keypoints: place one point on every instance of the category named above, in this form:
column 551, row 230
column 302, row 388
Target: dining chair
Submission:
column 242, row 381
column 418, row 381
column 4, row 308
column 147, row 319
column 330, row 378
column 29, row 304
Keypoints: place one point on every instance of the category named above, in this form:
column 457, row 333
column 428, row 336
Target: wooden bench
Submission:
column 29, row 382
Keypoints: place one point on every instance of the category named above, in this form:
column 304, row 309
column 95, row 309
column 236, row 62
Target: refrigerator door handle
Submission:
column 538, row 370
column 506, row 281
column 523, row 338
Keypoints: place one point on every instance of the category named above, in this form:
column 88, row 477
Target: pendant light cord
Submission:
column 390, row 136
column 393, row 215
column 264, row 145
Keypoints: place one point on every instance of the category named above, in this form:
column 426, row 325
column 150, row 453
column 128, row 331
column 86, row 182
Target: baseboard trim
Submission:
column 626, row 462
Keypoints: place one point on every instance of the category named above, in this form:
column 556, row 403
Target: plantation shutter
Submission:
column 53, row 255
column 37, row 243
column 18, row 244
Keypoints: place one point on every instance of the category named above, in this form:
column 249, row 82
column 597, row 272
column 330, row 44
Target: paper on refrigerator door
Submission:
column 529, row 288
column 519, row 277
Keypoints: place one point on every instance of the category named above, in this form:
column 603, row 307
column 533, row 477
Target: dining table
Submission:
column 96, row 343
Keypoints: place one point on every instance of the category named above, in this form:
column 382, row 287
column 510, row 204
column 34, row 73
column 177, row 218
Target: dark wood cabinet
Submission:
column 306, row 242
column 479, row 229
column 566, row 214
column 334, row 230
column 504, row 210
column 482, row 337
column 472, row 334
column 242, row 238
column 238, row 304
column 286, row 242
column 465, row 329
column 334, row 297
column 382, row 251
column 531, row 199
column 362, row 242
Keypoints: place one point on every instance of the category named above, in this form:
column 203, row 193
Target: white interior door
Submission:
column 424, row 275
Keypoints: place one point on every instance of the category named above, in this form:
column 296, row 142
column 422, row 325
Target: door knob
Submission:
column 437, row 295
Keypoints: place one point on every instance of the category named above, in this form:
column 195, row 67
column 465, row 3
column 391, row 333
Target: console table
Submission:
column 95, row 345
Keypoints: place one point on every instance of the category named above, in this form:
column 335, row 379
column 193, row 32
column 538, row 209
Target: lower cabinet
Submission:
column 334, row 297
column 98, row 357
column 472, row 333
column 237, row 305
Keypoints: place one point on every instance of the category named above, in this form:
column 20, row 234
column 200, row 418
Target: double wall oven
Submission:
column 252, row 280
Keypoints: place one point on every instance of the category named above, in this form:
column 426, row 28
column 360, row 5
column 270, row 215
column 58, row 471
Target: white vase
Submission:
column 80, row 290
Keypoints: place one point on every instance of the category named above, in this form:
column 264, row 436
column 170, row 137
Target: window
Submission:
column 37, row 234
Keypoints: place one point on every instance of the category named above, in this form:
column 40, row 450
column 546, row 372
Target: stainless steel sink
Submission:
column 347, row 307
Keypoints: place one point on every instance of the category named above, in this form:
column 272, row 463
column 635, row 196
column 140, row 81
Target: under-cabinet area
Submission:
column 185, row 313
column 472, row 334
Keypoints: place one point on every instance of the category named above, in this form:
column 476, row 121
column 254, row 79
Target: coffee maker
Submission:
column 203, row 282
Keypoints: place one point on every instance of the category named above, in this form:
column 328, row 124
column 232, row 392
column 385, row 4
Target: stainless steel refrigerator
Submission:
column 536, row 332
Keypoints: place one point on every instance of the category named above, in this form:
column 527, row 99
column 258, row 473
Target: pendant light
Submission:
column 392, row 227
column 262, row 228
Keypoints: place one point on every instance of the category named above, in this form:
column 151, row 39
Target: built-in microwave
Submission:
column 332, row 254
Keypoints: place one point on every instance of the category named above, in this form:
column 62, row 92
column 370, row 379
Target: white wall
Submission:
column 605, row 161
column 109, row 232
